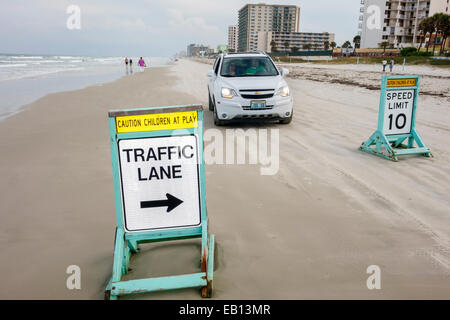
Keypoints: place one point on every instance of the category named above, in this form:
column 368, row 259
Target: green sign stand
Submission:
column 397, row 120
column 160, row 194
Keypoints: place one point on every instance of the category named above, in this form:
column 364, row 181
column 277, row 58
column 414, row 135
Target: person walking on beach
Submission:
column 142, row 64
column 384, row 65
column 391, row 65
column 126, row 65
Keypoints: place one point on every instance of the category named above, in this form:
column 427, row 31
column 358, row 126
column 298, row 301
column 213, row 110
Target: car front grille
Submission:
column 257, row 93
column 257, row 96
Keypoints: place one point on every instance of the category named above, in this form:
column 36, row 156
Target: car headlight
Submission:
column 228, row 93
column 283, row 91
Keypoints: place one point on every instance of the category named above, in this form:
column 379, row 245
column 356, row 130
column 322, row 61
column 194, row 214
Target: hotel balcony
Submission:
column 403, row 32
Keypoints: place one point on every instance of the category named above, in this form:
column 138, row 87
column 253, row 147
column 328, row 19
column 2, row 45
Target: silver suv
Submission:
column 248, row 86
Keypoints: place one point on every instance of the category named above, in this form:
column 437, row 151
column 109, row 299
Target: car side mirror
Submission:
column 210, row 73
column 284, row 72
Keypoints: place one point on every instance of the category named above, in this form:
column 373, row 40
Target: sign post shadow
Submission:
column 397, row 120
column 159, row 191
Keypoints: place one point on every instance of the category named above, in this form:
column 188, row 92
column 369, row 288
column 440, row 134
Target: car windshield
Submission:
column 248, row 67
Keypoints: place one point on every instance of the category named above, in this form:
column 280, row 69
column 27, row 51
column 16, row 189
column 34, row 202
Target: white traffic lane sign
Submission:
column 160, row 182
column 398, row 112
column 159, row 192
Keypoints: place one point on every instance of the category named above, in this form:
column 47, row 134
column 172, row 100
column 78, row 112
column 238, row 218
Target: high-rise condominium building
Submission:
column 254, row 18
column 395, row 21
column 233, row 37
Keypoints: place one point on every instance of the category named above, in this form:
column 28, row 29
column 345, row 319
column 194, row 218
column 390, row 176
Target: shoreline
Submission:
column 34, row 88
column 308, row 232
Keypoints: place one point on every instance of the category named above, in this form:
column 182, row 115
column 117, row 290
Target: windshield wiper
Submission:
column 259, row 75
column 248, row 75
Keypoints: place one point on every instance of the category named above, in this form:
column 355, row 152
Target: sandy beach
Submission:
column 308, row 232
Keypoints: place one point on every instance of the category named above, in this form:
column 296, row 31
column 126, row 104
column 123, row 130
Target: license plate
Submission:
column 257, row 104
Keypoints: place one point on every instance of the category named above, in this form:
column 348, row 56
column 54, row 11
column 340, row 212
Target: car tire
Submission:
column 217, row 121
column 211, row 105
column 287, row 120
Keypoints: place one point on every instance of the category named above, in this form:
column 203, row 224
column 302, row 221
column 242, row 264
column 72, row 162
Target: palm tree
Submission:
column 326, row 45
column 445, row 31
column 427, row 27
column 435, row 24
column 421, row 31
column 347, row 44
column 357, row 41
column 295, row 49
column 333, row 45
column 442, row 22
column 384, row 45
column 286, row 45
column 273, row 46
column 307, row 46
column 436, row 21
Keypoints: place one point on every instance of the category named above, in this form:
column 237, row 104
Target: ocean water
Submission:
column 26, row 78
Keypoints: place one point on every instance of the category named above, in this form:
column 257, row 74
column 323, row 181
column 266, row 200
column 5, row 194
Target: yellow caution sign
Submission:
column 157, row 121
column 392, row 83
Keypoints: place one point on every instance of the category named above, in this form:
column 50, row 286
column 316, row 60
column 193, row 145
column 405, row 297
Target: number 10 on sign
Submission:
column 398, row 111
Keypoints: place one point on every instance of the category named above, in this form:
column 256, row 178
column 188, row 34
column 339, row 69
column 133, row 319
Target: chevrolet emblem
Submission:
column 257, row 92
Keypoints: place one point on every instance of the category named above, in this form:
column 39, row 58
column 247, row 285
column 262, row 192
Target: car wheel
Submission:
column 287, row 120
column 217, row 121
column 211, row 105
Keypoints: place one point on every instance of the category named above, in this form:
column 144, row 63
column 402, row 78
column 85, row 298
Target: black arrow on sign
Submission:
column 171, row 203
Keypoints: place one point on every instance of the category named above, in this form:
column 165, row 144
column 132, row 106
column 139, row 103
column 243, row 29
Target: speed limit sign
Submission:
column 396, row 120
column 398, row 112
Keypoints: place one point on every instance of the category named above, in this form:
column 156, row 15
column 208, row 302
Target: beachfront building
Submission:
column 195, row 50
column 233, row 37
column 254, row 18
column 395, row 21
column 371, row 22
column 299, row 40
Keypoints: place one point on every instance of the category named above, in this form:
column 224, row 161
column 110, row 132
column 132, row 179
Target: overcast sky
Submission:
column 148, row 27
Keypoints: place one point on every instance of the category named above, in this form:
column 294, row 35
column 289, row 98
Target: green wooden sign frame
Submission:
column 392, row 146
column 127, row 243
